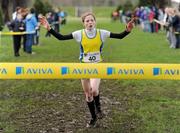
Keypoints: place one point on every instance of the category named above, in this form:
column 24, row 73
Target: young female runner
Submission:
column 91, row 42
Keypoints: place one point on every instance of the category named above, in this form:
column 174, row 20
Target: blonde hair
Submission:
column 87, row 14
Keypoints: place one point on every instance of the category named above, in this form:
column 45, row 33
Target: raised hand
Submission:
column 43, row 21
column 130, row 24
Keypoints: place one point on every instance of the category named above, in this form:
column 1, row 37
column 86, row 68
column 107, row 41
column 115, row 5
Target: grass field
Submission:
column 99, row 11
column 54, row 106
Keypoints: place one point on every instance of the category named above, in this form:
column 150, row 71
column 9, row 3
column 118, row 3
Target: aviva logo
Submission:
column 157, row 71
column 64, row 70
column 124, row 71
column 76, row 71
column 22, row 70
column 160, row 71
column 110, row 70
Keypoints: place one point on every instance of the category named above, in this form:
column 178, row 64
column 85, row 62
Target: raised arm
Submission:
column 121, row 35
column 46, row 25
column 60, row 36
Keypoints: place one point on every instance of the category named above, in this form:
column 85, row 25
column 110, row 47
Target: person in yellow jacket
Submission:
column 91, row 42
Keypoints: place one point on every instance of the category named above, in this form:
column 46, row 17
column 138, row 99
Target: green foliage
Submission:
column 145, row 2
column 39, row 6
column 42, row 7
column 1, row 20
column 128, row 5
column 47, row 6
column 120, row 7
column 158, row 3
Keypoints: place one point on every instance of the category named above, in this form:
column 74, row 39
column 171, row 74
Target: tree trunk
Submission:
column 21, row 3
column 8, row 5
column 5, row 5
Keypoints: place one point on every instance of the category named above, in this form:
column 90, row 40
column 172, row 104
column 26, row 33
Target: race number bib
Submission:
column 92, row 57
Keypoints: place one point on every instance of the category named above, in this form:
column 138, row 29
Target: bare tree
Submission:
column 8, row 6
column 4, row 6
column 21, row 3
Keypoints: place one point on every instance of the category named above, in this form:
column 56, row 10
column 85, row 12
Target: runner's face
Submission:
column 89, row 22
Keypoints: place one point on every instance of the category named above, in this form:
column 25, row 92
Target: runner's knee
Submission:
column 89, row 96
column 95, row 92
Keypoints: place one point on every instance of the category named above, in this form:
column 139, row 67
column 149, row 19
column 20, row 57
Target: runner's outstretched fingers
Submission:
column 44, row 22
column 130, row 24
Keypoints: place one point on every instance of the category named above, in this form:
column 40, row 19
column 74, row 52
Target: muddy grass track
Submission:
column 56, row 112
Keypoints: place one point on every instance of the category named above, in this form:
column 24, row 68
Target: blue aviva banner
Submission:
column 89, row 70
